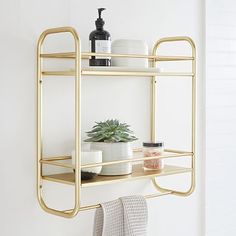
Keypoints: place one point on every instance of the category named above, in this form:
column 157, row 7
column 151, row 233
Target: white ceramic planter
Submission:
column 114, row 152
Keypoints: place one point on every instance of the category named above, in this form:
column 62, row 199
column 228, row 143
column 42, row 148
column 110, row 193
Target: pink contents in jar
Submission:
column 153, row 150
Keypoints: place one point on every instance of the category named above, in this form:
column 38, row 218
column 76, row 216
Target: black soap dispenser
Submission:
column 100, row 42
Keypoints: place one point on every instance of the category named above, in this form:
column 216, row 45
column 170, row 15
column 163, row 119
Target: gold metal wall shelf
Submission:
column 74, row 176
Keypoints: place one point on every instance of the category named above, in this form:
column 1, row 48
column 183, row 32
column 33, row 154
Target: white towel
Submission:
column 109, row 219
column 126, row 216
column 135, row 215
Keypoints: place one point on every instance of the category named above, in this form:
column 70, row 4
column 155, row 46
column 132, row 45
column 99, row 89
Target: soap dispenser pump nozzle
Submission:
column 100, row 12
column 100, row 22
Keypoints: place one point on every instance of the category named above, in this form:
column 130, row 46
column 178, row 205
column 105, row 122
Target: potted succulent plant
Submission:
column 113, row 139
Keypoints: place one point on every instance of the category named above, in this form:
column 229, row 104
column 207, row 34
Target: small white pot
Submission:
column 89, row 157
column 114, row 152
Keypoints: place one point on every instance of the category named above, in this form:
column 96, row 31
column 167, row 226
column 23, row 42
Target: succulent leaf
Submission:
column 110, row 131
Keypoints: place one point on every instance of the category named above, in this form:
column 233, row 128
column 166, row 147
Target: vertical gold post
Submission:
column 72, row 212
column 194, row 101
column 153, row 106
column 39, row 120
column 77, row 124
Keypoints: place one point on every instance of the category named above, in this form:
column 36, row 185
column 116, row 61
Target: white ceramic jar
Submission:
column 128, row 46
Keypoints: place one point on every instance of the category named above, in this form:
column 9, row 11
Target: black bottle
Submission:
column 100, row 42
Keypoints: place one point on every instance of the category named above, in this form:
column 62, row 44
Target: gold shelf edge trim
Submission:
column 173, row 172
column 116, row 73
column 57, row 158
column 51, row 161
column 60, row 181
column 87, row 55
column 178, row 170
column 135, row 150
column 178, row 151
column 135, row 160
column 56, row 163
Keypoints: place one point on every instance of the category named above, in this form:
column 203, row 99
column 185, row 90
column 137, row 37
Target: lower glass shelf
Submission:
column 138, row 173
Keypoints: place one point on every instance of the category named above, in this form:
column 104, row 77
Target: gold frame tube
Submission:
column 63, row 213
column 57, row 158
column 91, row 72
column 153, row 111
column 77, row 73
column 55, row 163
column 104, row 180
column 87, row 55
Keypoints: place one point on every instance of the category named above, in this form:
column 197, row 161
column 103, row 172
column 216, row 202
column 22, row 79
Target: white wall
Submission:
column 221, row 117
column 21, row 24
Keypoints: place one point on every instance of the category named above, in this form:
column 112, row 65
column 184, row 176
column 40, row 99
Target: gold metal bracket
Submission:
column 77, row 58
column 153, row 111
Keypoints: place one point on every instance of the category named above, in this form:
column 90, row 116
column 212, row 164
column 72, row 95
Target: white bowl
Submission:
column 89, row 157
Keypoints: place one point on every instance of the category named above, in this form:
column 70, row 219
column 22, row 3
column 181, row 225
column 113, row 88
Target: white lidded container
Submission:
column 128, row 46
column 151, row 149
